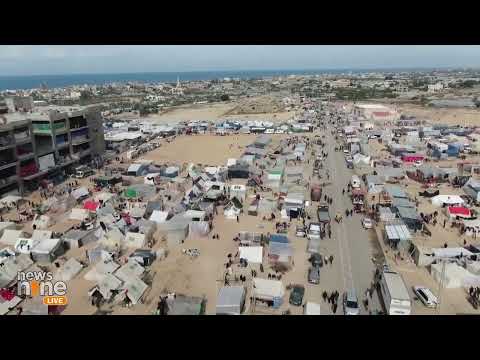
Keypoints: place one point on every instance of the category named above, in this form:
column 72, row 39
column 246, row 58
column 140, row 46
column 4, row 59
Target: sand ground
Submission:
column 448, row 116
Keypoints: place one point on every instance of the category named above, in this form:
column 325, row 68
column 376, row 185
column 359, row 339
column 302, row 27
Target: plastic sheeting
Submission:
column 199, row 228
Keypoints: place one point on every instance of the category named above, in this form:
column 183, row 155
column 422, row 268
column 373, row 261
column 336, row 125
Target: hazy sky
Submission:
column 36, row 59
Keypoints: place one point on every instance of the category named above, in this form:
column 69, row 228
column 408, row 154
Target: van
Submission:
column 82, row 172
column 394, row 293
column 355, row 182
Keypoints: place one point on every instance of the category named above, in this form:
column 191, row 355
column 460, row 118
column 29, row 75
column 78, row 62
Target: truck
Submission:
column 394, row 293
column 323, row 214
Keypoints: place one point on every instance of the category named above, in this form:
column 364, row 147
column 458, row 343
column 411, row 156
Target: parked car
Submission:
column 426, row 296
column 367, row 223
column 300, row 231
column 314, row 275
column 296, row 295
column 350, row 303
column 316, row 259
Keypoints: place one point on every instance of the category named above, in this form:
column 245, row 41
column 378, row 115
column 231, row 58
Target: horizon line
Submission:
column 257, row 70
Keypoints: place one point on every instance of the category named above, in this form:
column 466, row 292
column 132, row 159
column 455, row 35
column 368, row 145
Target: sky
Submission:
column 82, row 59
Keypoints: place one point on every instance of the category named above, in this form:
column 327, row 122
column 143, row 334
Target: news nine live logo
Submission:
column 40, row 283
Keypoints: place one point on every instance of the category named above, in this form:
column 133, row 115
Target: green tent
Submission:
column 130, row 193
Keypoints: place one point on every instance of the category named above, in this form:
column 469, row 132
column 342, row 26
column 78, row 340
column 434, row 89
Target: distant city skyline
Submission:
column 21, row 60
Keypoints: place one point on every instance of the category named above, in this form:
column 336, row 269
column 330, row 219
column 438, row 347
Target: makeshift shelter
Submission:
column 69, row 270
column 91, row 205
column 239, row 171
column 232, row 209
column 151, row 206
column 103, row 197
column 134, row 240
column 159, row 217
column 137, row 169
column 108, row 284
column 453, row 277
column 10, row 200
column 47, row 250
column 129, row 270
column 10, row 237
column 238, row 191
column 267, row 206
column 186, row 305
column 176, row 230
column 253, row 254
column 386, row 214
column 410, row 217
column 80, row 193
column 397, row 234
column 136, row 212
column 42, row 222
column 280, row 252
column 230, row 300
column 11, row 267
column 79, row 214
column 101, row 269
column 130, row 193
column 199, row 228
column 147, row 228
column 269, row 291
column 312, row 308
column 455, row 212
column 444, row 200
column 4, row 225
column 134, row 289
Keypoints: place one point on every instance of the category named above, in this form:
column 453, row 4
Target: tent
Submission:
column 91, row 205
column 107, row 284
column 134, row 289
column 454, row 276
column 280, row 252
column 199, row 228
column 159, row 216
column 137, row 212
column 129, row 270
column 441, row 200
column 41, row 234
column 101, row 269
column 80, row 193
column 47, row 250
column 146, row 227
column 230, row 300
column 6, row 225
column 459, row 211
column 42, row 222
column 10, row 237
column 134, row 240
column 69, row 270
column 130, row 193
column 78, row 214
column 268, row 290
column 312, row 308
column 103, row 197
column 253, row 254
column 177, row 230
column 25, row 245
column 78, row 238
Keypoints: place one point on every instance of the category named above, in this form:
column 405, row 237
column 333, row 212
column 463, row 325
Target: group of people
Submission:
column 332, row 299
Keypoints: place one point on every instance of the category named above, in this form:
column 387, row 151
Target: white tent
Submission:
column 159, row 216
column 268, row 289
column 100, row 270
column 41, row 234
column 439, row 200
column 45, row 250
column 25, row 245
column 199, row 228
column 129, row 270
column 134, row 288
column 10, row 237
column 42, row 222
column 80, row 193
column 78, row 214
column 253, row 254
column 69, row 270
column 107, row 284
column 134, row 240
column 455, row 275
column 6, row 225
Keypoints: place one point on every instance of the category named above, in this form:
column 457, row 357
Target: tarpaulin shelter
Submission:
column 459, row 211
column 199, row 228
column 47, row 250
column 69, row 270
column 78, row 214
column 453, row 277
column 10, row 237
column 91, row 205
column 230, row 300
column 441, row 200
column 134, row 240
column 159, row 216
column 130, row 193
column 80, row 193
column 268, row 290
column 253, row 254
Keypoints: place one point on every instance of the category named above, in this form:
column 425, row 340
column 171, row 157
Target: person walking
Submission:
column 324, row 295
column 238, row 219
column 331, row 259
column 334, row 308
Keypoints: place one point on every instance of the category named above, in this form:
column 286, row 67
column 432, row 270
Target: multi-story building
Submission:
column 39, row 146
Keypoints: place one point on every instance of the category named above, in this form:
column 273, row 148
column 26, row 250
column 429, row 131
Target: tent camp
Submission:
column 230, row 300
column 10, row 236
column 69, row 270
column 443, row 200
column 253, row 254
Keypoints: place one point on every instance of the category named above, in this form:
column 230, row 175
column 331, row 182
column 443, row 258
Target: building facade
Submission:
column 44, row 147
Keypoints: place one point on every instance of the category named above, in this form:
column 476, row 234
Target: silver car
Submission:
column 350, row 303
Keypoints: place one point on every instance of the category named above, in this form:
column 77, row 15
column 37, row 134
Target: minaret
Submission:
column 178, row 82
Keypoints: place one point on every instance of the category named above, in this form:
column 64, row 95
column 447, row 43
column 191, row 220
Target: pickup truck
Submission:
column 323, row 214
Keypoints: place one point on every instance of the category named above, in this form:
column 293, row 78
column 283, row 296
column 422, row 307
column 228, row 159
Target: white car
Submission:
column 367, row 223
column 345, row 151
column 426, row 296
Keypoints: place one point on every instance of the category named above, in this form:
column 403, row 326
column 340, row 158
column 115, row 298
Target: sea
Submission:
column 61, row 81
